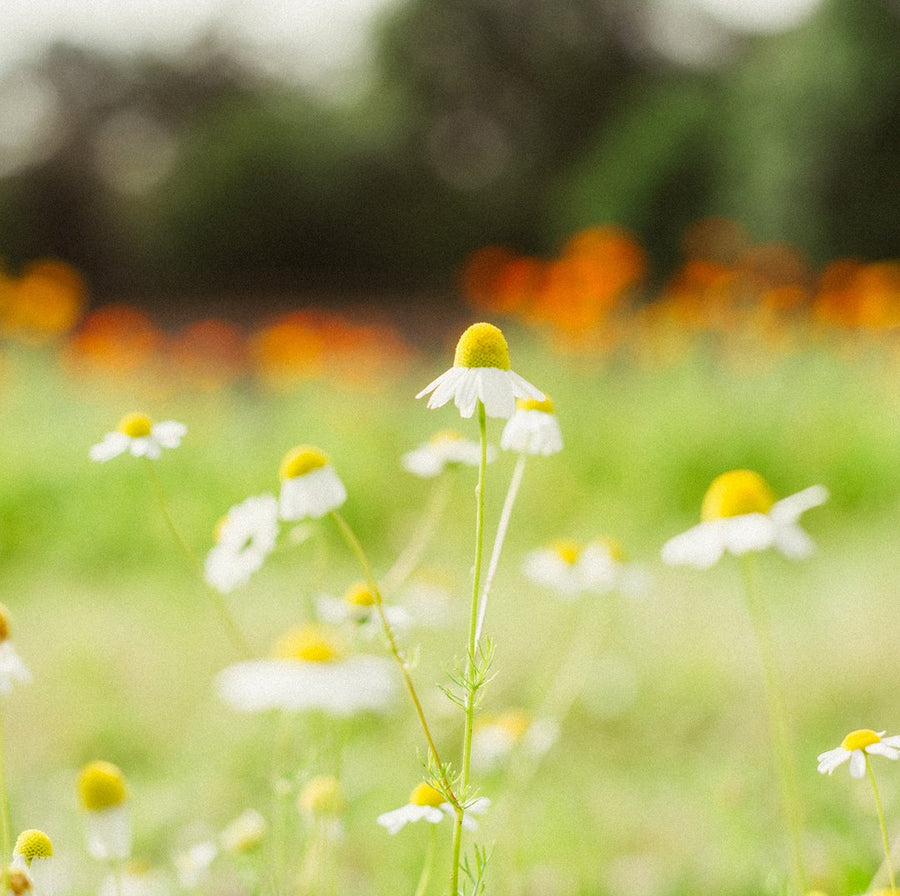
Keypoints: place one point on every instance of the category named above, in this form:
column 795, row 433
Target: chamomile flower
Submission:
column 12, row 670
column 137, row 434
column 357, row 607
column 604, row 567
column 495, row 737
column 244, row 833
column 446, row 448
column 104, row 798
column 556, row 567
column 532, row 429
column 428, row 804
column 310, row 487
column 740, row 514
column 33, row 856
column 855, row 746
column 321, row 804
column 244, row 538
column 192, row 864
column 480, row 372
column 308, row 670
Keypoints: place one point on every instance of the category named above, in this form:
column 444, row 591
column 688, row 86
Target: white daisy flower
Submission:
column 495, row 737
column 597, row 568
column 244, row 538
column 310, row 487
column 135, row 879
column 244, row 833
column 532, row 429
column 481, row 372
column 446, row 448
column 104, row 797
column 358, row 608
column 308, row 671
column 428, row 804
column 33, row 857
column 855, row 746
column 739, row 515
column 140, row 436
column 556, row 567
column 12, row 670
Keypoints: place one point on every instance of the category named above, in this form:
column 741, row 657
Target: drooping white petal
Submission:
column 497, row 392
column 532, row 432
column 701, row 546
column 831, row 759
column 892, row 741
column 311, row 495
column 747, row 532
column 444, row 387
column 424, row 462
column 113, row 444
column 144, row 446
column 883, row 749
column 857, row 764
column 790, row 508
column 397, row 819
column 793, row 542
column 523, row 389
column 168, row 433
column 109, row 833
column 12, row 670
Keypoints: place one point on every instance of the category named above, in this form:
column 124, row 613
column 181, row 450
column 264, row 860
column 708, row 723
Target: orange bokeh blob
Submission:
column 114, row 339
column 209, row 354
column 44, row 302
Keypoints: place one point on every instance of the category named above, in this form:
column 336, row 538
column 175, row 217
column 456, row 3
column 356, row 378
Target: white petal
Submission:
column 790, row 508
column 444, row 387
column 748, row 532
column 883, row 749
column 495, row 389
column 892, row 741
column 532, row 432
column 168, row 433
column 523, row 389
column 144, row 447
column 793, row 542
column 701, row 547
column 831, row 759
column 857, row 764
column 467, row 392
column 113, row 444
column 424, row 462
column 109, row 833
column 311, row 495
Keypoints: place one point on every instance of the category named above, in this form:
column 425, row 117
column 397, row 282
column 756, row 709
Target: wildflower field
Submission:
column 624, row 724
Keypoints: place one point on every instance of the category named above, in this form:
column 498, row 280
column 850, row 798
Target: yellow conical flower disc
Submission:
column 33, row 845
column 309, row 643
column 359, row 595
column 567, row 551
column 860, row 739
column 301, row 460
column 101, row 785
column 736, row 493
column 425, row 795
column 321, row 796
column 532, row 404
column 135, row 425
column 482, row 345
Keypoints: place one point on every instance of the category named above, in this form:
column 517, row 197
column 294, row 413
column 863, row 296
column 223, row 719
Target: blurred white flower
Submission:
column 855, row 746
column 244, row 538
column 104, row 797
column 192, row 864
column 739, row 515
column 532, row 429
column 495, row 737
column 308, row 671
column 444, row 449
column 244, row 833
column 12, row 670
column 357, row 607
column 427, row 804
column 135, row 879
column 480, row 372
column 310, row 487
column 140, row 436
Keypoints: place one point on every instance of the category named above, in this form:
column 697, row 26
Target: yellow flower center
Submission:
column 736, row 493
column 301, row 460
column 482, row 345
column 33, row 845
column 445, row 435
column 321, row 796
column 307, row 643
column 358, row 595
column 135, row 425
column 425, row 795
column 4, row 623
column 567, row 551
column 860, row 739
column 532, row 404
column 101, row 785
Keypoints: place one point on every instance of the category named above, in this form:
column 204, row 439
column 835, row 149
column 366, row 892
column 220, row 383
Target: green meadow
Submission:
column 662, row 780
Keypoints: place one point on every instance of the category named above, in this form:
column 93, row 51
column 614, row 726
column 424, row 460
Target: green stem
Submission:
column 5, row 844
column 409, row 559
column 778, row 725
column 234, row 632
column 471, row 647
column 884, row 836
column 429, row 861
column 357, row 549
column 500, row 538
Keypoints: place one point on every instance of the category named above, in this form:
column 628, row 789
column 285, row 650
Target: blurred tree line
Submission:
column 485, row 121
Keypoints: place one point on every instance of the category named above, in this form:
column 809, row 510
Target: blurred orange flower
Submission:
column 209, row 354
column 45, row 301
column 115, row 339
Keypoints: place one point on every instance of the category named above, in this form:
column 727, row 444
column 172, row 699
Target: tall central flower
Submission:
column 310, row 487
column 481, row 372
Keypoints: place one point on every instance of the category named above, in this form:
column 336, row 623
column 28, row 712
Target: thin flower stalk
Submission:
column 502, row 528
column 357, row 549
column 777, row 711
column 884, row 836
column 4, row 814
column 471, row 648
column 234, row 632
column 425, row 876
